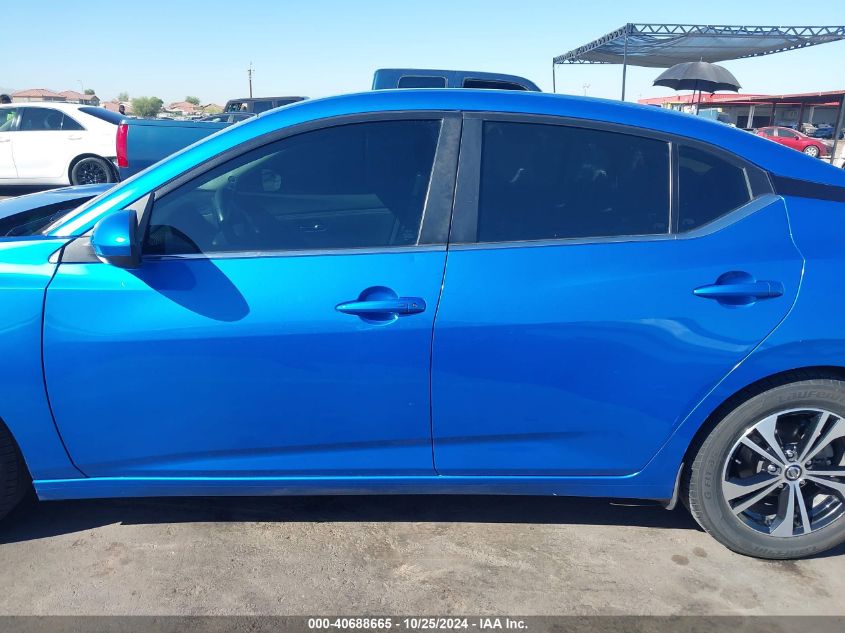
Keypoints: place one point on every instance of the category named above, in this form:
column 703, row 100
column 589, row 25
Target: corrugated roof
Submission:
column 664, row 45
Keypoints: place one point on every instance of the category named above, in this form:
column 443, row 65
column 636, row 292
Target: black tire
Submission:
column 14, row 477
column 703, row 483
column 91, row 170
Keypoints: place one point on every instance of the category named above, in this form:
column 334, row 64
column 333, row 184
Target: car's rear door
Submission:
column 42, row 149
column 600, row 281
column 280, row 322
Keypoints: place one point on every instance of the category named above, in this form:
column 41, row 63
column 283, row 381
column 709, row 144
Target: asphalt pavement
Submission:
column 390, row 555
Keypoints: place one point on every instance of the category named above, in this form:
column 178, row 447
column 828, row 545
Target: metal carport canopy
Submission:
column 664, row 45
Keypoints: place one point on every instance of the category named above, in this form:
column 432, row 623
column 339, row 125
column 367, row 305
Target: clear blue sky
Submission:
column 320, row 47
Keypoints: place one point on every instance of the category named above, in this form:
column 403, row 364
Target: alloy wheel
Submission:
column 785, row 476
column 91, row 172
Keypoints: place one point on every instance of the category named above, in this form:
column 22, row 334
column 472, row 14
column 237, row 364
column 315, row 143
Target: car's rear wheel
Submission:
column 769, row 480
column 14, row 478
column 91, row 170
column 812, row 150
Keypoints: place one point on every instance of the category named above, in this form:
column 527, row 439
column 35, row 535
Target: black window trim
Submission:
column 467, row 186
column 437, row 209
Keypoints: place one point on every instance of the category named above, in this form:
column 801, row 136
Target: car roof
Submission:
column 56, row 105
column 772, row 157
column 776, row 159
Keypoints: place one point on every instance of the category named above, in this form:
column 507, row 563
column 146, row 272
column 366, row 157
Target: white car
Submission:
column 57, row 144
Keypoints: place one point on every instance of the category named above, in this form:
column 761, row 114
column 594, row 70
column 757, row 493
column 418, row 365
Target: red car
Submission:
column 803, row 143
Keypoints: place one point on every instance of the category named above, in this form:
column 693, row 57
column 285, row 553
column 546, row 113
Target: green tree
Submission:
column 90, row 91
column 123, row 96
column 146, row 107
column 193, row 100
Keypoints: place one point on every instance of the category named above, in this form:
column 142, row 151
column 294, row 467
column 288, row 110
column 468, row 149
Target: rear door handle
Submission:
column 75, row 137
column 757, row 290
column 739, row 288
column 400, row 305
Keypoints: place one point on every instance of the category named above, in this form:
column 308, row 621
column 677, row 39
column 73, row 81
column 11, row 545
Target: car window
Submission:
column 350, row 186
column 69, row 124
column 708, row 187
column 787, row 133
column 7, row 118
column 262, row 106
column 551, row 181
column 492, row 84
column 418, row 81
column 40, row 120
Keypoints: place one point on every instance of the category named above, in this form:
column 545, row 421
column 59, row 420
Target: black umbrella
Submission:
column 698, row 76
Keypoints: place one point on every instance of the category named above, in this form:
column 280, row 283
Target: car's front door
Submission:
column 8, row 117
column 789, row 138
column 280, row 322
column 584, row 314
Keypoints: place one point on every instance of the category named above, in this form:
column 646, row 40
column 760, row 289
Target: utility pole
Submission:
column 249, row 72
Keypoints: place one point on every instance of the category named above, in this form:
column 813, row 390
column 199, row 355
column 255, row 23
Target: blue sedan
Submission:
column 445, row 291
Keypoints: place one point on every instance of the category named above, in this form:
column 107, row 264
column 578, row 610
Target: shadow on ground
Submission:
column 36, row 520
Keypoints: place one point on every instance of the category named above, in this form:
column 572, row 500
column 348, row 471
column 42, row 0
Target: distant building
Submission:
column 42, row 95
column 803, row 111
column 186, row 109
column 36, row 94
column 183, row 108
column 71, row 96
column 114, row 106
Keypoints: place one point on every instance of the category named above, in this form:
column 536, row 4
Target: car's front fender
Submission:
column 25, row 272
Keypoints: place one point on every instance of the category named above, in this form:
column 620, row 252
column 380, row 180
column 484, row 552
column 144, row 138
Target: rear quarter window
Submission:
column 709, row 186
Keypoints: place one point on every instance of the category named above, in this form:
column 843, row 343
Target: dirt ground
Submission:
column 390, row 555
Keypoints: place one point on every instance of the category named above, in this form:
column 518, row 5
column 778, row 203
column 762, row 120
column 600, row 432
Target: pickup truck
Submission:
column 144, row 142
column 386, row 78
column 258, row 105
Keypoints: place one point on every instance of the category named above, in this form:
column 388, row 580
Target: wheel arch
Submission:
column 758, row 386
column 84, row 155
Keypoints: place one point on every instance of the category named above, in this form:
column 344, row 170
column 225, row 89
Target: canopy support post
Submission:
column 554, row 82
column 837, row 130
column 625, row 61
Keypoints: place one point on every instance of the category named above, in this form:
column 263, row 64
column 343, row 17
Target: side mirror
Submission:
column 115, row 240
